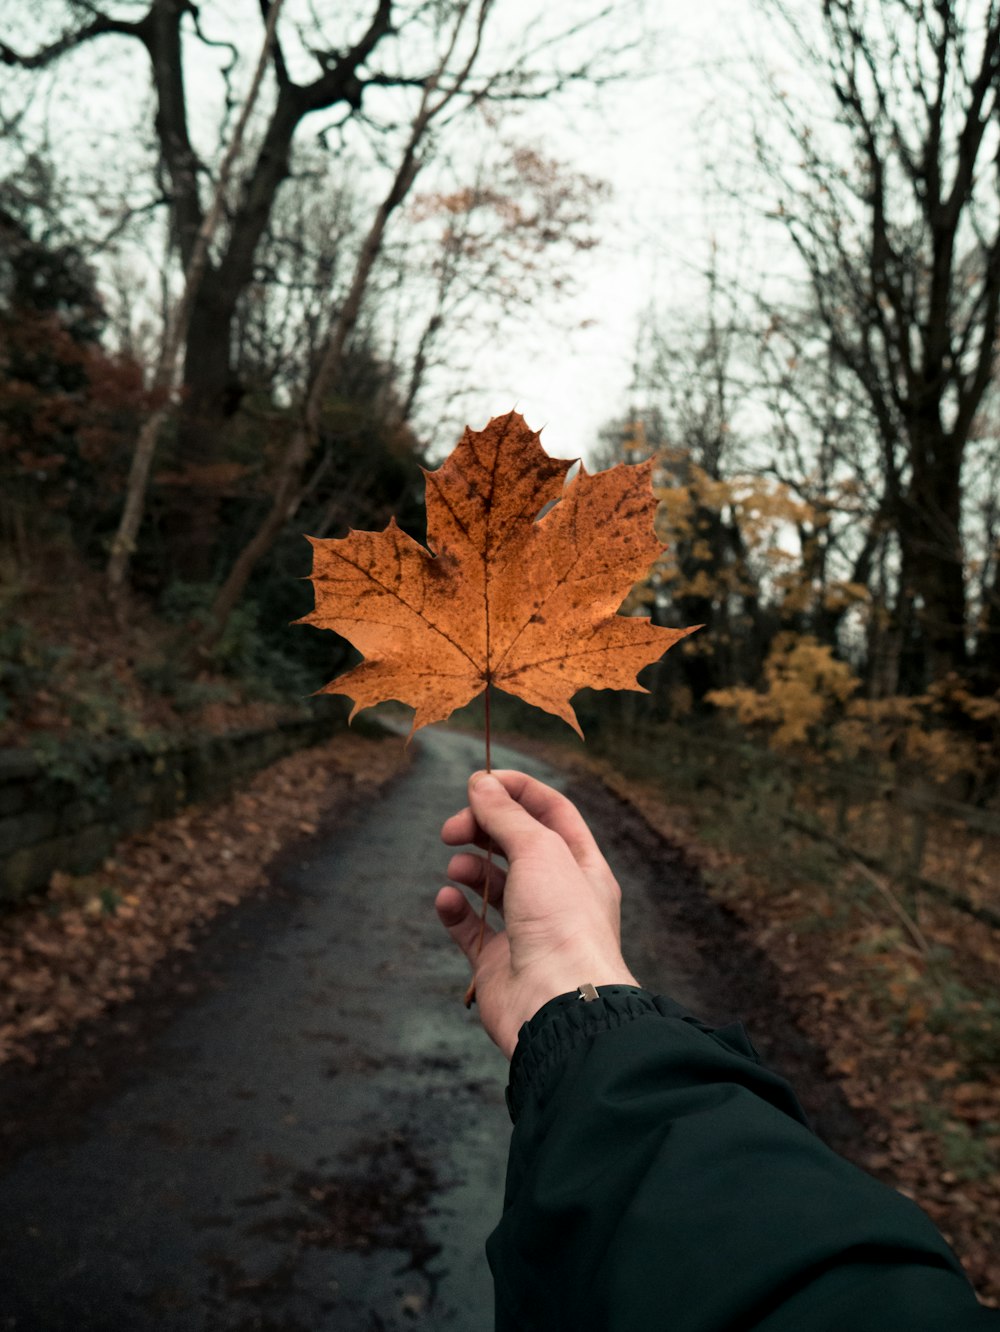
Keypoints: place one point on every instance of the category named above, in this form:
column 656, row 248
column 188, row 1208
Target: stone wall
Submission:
column 53, row 816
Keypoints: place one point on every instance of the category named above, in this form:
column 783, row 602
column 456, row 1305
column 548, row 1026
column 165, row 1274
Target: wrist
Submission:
column 570, row 984
column 564, row 980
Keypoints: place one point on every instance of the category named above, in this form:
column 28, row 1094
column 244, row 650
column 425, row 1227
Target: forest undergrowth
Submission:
column 73, row 674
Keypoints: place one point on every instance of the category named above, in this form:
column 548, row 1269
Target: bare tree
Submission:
column 483, row 250
column 696, row 374
column 303, row 265
column 823, row 447
column 895, row 215
column 440, row 91
column 380, row 53
column 177, row 332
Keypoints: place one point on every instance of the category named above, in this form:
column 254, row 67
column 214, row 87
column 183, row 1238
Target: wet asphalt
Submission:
column 318, row 1140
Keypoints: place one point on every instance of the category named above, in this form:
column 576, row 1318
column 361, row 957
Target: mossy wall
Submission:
column 53, row 817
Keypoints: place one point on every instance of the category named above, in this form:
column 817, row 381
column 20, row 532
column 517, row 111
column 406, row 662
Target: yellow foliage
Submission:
column 841, row 594
column 778, row 555
column 640, row 598
column 762, row 509
column 701, row 585
column 940, row 754
column 979, row 709
column 909, row 731
column 798, row 595
column 676, row 508
column 805, row 687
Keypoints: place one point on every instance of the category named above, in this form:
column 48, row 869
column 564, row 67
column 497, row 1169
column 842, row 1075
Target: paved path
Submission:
column 318, row 1142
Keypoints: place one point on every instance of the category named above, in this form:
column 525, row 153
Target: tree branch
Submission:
column 340, row 81
column 277, row 54
column 100, row 26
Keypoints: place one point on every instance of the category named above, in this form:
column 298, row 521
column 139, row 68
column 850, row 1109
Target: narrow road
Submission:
column 318, row 1139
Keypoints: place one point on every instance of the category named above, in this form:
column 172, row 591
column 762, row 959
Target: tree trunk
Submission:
column 211, row 390
column 288, row 488
column 176, row 333
column 930, row 534
column 210, row 397
column 209, row 301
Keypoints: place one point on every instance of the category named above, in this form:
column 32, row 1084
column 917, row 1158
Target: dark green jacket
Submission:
column 661, row 1178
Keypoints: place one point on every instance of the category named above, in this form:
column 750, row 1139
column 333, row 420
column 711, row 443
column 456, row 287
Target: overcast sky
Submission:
column 654, row 140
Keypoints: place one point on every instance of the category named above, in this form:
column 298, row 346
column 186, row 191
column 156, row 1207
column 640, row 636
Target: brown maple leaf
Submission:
column 503, row 597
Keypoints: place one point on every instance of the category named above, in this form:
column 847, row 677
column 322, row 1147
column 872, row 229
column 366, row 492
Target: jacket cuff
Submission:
column 567, row 1021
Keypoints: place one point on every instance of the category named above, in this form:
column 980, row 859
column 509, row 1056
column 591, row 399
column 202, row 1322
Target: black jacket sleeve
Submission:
column 661, row 1178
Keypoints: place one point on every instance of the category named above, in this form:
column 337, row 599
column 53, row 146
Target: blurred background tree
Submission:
column 894, row 215
column 828, row 441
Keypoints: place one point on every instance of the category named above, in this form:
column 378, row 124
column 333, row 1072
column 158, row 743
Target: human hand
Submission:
column 559, row 901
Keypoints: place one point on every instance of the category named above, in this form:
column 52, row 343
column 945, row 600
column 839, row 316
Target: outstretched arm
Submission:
column 659, row 1176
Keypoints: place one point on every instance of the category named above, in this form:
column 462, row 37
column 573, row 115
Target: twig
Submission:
column 912, row 928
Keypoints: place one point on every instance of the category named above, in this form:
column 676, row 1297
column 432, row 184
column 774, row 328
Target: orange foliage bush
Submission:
column 946, row 735
column 806, row 687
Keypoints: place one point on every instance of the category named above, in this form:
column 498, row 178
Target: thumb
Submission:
column 510, row 826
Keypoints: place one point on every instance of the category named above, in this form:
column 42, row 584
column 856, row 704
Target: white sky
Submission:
column 652, row 140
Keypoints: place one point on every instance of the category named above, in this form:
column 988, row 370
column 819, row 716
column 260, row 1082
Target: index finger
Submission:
column 498, row 815
column 533, row 796
column 546, row 807
column 554, row 811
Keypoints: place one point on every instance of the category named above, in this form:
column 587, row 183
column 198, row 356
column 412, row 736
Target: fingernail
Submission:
column 484, row 781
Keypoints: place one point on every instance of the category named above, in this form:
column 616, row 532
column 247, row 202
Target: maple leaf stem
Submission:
column 489, row 760
column 489, row 849
column 470, row 993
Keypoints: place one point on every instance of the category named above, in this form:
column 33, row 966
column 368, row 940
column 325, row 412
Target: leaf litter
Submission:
column 93, row 940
